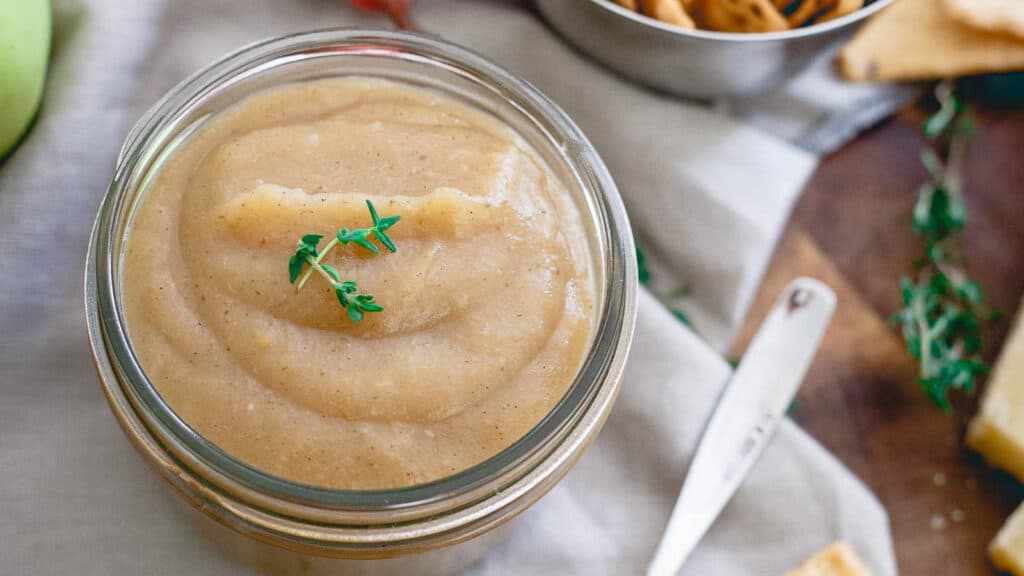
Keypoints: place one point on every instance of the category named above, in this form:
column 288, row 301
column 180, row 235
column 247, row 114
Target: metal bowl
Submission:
column 694, row 63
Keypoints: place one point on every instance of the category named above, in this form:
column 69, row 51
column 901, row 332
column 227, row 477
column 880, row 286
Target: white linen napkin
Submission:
column 818, row 110
column 709, row 195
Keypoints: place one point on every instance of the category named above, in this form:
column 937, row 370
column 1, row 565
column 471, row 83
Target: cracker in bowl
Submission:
column 742, row 16
column 668, row 11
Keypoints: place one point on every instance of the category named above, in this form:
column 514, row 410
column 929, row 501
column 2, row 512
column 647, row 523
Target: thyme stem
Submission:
column 308, row 258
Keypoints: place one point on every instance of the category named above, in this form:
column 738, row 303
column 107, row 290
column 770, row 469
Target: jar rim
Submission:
column 587, row 400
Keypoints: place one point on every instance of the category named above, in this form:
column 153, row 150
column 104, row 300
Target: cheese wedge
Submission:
column 920, row 40
column 1007, row 550
column 997, row 431
column 836, row 560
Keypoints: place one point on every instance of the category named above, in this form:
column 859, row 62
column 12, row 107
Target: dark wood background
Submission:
column 861, row 400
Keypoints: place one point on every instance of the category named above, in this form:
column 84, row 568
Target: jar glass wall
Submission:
column 363, row 523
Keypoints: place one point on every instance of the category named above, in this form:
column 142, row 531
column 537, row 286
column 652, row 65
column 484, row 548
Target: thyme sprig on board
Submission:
column 943, row 310
column 308, row 253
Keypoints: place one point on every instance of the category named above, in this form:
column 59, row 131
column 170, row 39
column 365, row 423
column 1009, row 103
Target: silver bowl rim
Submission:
column 744, row 37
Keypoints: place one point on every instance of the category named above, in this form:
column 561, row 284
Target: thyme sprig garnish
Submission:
column 308, row 253
column 941, row 317
column 644, row 277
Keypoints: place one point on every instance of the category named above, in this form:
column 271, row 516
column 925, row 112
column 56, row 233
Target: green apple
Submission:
column 24, row 56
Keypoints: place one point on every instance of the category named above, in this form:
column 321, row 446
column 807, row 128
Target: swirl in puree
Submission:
column 488, row 301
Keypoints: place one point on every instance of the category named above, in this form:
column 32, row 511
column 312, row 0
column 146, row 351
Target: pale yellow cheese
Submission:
column 1007, row 550
column 836, row 560
column 918, row 40
column 997, row 16
column 997, row 432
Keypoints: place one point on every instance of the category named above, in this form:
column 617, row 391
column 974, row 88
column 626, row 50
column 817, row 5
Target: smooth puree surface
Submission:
column 488, row 302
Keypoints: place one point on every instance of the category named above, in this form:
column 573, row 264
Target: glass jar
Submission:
column 363, row 524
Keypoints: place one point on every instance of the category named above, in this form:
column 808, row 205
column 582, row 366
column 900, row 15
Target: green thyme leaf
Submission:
column 386, row 240
column 295, row 266
column 306, row 253
column 681, row 316
column 369, row 305
column 941, row 307
column 311, row 241
column 373, row 212
column 387, row 221
column 360, row 237
column 644, row 275
column 355, row 314
column 355, row 304
column 306, row 248
column 382, row 224
column 939, row 123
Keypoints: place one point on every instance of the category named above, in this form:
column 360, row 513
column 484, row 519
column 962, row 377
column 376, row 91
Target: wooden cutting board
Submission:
column 861, row 400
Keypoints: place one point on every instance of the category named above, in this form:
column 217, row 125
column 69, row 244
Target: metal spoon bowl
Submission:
column 694, row 63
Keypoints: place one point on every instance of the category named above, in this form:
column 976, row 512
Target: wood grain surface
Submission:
column 852, row 230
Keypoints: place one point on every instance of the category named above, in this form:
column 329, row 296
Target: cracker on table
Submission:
column 668, row 11
column 740, row 15
column 998, row 16
column 917, row 40
column 836, row 560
